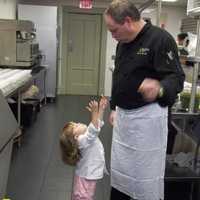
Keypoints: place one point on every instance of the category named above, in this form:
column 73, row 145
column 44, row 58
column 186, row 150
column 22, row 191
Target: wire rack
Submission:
column 193, row 7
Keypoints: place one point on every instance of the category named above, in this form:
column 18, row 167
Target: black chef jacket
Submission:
column 152, row 54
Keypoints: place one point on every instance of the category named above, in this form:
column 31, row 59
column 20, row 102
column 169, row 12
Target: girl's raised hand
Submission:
column 103, row 103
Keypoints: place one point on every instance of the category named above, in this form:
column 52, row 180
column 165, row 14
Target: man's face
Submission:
column 120, row 32
column 179, row 41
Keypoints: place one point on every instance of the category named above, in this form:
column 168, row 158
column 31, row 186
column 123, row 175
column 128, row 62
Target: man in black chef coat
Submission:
column 146, row 80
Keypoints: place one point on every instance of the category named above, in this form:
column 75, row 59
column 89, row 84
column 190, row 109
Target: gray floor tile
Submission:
column 37, row 172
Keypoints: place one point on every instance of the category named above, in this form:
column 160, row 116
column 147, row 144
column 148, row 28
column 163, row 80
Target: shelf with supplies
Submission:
column 16, row 83
column 183, row 165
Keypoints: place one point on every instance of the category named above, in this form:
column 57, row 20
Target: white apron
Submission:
column 138, row 152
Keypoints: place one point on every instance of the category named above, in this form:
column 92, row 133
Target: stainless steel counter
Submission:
column 8, row 128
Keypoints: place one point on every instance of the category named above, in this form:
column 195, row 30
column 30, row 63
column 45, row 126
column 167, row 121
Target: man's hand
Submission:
column 149, row 89
column 103, row 103
column 112, row 117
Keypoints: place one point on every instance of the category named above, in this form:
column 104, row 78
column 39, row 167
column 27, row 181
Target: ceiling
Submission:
column 181, row 3
column 178, row 3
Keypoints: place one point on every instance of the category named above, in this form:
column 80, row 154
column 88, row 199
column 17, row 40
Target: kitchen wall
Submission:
column 46, row 25
column 171, row 17
column 7, row 9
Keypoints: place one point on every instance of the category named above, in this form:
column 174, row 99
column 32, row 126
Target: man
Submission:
column 183, row 42
column 146, row 79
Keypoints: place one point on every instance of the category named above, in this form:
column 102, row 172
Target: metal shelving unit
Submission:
column 188, row 122
column 193, row 10
column 8, row 129
column 17, row 91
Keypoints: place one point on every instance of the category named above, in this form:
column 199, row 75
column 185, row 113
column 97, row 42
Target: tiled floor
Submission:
column 37, row 172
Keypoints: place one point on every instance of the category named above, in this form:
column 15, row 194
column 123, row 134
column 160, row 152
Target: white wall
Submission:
column 7, row 9
column 173, row 16
column 45, row 20
column 110, row 50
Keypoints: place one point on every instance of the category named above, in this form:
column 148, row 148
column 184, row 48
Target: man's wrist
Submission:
column 161, row 92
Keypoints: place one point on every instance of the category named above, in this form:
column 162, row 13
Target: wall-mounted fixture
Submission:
column 85, row 4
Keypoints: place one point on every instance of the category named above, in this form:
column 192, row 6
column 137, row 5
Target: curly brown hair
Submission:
column 69, row 146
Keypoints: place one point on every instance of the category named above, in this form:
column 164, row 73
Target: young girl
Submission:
column 80, row 146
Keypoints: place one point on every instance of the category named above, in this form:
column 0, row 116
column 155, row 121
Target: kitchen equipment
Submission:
column 19, row 48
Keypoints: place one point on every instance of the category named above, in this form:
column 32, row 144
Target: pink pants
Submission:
column 83, row 189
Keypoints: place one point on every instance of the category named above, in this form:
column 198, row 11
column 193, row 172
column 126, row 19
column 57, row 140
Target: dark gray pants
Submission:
column 116, row 194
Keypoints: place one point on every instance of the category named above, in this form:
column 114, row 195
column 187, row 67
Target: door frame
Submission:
column 64, row 11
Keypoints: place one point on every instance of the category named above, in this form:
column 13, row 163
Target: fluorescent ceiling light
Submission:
column 168, row 0
column 148, row 10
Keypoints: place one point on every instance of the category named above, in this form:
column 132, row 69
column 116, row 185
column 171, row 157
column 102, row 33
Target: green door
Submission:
column 83, row 53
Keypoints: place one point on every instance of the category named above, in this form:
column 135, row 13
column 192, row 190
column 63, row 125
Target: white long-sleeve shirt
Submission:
column 92, row 163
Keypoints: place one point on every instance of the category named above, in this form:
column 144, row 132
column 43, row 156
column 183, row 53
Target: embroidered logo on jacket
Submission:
column 143, row 51
column 170, row 55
